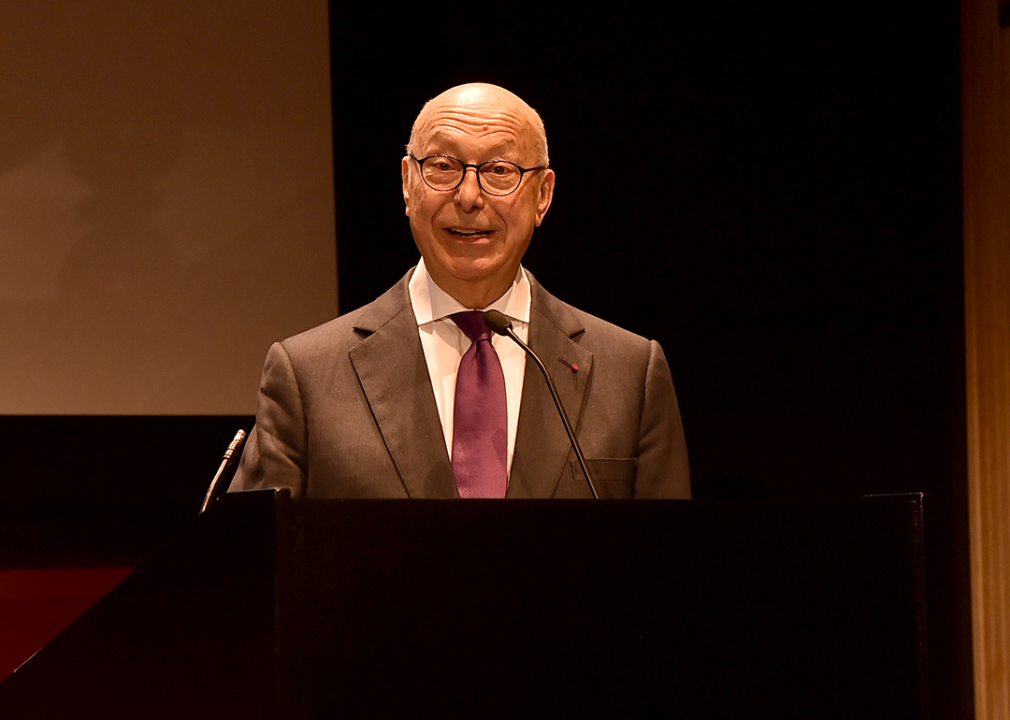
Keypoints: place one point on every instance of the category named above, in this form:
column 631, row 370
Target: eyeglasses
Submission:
column 495, row 177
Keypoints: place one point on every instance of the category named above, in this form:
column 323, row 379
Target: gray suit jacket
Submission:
column 346, row 410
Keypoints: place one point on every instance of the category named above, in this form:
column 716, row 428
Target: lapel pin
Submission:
column 571, row 366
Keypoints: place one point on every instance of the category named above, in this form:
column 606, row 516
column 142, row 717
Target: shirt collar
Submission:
column 431, row 303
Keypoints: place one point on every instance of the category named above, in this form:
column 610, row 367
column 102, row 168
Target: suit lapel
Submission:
column 542, row 446
column 390, row 366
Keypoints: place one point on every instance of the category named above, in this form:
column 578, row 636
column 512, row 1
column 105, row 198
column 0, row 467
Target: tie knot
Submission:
column 472, row 324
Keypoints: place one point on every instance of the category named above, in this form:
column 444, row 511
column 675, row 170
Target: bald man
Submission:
column 368, row 405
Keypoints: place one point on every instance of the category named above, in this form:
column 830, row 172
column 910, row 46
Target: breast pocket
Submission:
column 614, row 478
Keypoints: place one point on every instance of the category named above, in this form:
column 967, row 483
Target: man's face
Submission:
column 471, row 241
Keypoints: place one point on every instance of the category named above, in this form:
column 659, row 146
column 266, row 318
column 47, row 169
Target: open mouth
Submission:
column 469, row 233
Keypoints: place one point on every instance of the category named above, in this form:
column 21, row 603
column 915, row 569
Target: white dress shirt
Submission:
column 444, row 345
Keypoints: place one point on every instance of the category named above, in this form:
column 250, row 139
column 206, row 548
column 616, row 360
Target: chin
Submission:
column 473, row 266
column 472, row 274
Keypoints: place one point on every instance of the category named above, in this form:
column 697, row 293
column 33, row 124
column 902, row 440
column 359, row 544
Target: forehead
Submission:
column 474, row 128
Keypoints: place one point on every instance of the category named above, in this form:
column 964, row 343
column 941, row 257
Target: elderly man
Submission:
column 408, row 397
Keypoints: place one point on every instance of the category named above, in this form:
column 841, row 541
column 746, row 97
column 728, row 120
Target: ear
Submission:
column 544, row 195
column 405, row 178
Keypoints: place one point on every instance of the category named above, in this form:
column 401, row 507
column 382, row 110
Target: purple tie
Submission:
column 479, row 427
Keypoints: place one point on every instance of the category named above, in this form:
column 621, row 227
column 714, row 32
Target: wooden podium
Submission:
column 272, row 608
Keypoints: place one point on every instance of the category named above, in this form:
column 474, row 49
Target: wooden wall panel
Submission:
column 986, row 133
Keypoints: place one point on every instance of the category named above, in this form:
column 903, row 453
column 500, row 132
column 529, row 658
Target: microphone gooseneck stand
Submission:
column 503, row 326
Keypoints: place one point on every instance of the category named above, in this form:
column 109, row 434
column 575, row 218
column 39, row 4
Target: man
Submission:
column 402, row 399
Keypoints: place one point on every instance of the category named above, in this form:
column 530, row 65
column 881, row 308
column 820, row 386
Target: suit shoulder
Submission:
column 582, row 326
column 609, row 329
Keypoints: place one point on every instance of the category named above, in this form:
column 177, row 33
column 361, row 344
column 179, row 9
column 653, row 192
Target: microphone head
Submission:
column 497, row 321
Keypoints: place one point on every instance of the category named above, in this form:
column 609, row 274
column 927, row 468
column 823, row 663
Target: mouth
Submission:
column 469, row 234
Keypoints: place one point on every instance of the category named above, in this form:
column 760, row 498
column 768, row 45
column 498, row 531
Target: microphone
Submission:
column 230, row 455
column 501, row 325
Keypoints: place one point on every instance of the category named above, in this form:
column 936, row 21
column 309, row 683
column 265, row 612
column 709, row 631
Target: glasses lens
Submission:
column 442, row 173
column 500, row 177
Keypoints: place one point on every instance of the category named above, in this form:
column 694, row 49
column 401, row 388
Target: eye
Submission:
column 500, row 168
column 441, row 172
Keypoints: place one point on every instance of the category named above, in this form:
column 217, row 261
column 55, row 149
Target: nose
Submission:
column 469, row 194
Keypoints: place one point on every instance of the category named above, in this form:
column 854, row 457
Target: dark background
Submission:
column 770, row 190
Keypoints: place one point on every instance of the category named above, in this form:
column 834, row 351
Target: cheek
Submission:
column 523, row 215
column 417, row 196
column 426, row 207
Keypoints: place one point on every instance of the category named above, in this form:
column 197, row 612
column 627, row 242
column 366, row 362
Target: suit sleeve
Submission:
column 662, row 451
column 275, row 455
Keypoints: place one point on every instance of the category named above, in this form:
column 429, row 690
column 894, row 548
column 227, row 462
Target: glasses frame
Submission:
column 476, row 168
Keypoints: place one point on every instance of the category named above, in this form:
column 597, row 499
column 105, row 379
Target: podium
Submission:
column 268, row 607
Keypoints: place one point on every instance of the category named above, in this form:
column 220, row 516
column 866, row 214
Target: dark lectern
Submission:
column 273, row 608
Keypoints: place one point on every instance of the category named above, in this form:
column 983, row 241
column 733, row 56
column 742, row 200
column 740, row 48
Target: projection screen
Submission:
column 166, row 201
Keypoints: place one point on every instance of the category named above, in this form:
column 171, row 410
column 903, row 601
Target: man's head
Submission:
column 472, row 238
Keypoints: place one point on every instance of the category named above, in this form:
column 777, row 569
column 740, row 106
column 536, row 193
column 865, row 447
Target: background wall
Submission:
column 166, row 201
column 166, row 211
